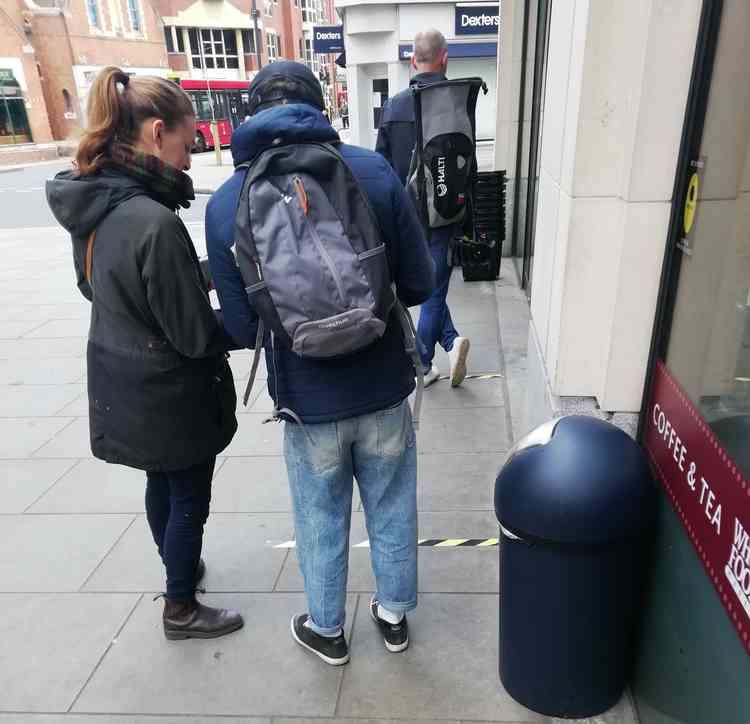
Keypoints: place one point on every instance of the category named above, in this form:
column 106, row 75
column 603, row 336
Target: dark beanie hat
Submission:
column 285, row 82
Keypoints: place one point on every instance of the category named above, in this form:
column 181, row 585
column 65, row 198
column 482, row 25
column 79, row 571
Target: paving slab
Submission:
column 481, row 333
column 440, row 569
column 360, row 573
column 472, row 394
column 464, row 431
column 71, row 442
column 237, row 547
column 20, row 437
column 483, row 358
column 58, row 552
column 251, row 485
column 78, row 407
column 24, row 481
column 59, row 328
column 258, row 670
column 51, row 644
column 622, row 713
column 36, row 400
column 457, row 481
column 93, row 486
column 41, row 371
column 449, row 670
column 41, row 348
column 46, row 312
column 17, row 718
column 458, row 570
column 16, row 329
column 255, row 438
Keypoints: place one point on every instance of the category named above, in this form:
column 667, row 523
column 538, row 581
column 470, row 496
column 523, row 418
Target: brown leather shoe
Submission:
column 193, row 620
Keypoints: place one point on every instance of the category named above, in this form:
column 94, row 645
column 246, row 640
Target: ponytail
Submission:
column 117, row 106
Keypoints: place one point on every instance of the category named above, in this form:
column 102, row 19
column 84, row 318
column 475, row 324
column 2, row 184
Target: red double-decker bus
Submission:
column 229, row 98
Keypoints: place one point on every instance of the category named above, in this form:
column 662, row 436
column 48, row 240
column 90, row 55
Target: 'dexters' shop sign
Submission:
column 328, row 38
column 708, row 491
column 477, row 19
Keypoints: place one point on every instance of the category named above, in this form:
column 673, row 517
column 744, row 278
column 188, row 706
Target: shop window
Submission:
column 134, row 13
column 92, row 6
column 272, row 43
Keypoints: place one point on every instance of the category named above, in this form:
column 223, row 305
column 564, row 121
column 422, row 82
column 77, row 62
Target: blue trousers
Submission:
column 380, row 450
column 435, row 323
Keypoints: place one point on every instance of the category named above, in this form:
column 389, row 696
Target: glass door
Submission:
column 695, row 423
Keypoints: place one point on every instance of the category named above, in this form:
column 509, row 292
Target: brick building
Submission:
column 65, row 44
column 215, row 40
column 51, row 51
column 23, row 115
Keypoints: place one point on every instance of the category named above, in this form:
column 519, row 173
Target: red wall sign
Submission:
column 708, row 491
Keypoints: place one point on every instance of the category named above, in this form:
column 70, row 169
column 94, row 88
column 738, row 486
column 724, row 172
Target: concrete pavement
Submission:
column 82, row 640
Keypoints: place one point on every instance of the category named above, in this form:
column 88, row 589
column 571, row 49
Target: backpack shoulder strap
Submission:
column 89, row 256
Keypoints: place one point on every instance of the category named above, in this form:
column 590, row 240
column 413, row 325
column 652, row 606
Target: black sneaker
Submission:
column 395, row 635
column 333, row 651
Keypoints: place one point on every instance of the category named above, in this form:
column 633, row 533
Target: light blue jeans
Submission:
column 378, row 449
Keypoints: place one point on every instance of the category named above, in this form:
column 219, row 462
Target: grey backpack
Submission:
column 443, row 161
column 312, row 257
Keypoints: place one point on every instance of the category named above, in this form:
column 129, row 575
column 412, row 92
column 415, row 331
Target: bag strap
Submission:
column 256, row 361
column 89, row 256
column 410, row 344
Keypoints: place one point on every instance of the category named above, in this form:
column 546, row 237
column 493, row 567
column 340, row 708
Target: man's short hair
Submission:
column 429, row 45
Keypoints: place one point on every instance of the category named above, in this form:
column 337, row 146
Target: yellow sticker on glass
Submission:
column 691, row 203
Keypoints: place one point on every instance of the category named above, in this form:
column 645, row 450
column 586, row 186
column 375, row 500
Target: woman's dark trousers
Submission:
column 177, row 504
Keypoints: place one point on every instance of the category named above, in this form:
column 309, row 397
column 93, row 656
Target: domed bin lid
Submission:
column 577, row 480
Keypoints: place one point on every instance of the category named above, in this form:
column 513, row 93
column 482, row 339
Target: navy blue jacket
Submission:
column 324, row 390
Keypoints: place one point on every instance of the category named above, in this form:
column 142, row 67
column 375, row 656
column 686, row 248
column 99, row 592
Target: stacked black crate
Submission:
column 480, row 255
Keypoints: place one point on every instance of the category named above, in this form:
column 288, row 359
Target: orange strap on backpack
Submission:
column 89, row 256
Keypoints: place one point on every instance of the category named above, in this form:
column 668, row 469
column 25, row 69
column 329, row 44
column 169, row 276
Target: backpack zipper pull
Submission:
column 299, row 188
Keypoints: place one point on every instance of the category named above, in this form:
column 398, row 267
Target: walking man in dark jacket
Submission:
column 396, row 140
column 354, row 417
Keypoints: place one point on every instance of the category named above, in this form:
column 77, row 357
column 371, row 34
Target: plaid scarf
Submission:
column 173, row 187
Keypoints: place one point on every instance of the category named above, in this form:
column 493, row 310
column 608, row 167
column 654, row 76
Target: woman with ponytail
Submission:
column 161, row 393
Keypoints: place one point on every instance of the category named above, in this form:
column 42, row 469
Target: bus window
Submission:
column 201, row 105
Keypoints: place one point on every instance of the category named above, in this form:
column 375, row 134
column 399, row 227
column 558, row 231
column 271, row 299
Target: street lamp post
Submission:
column 254, row 15
column 214, row 124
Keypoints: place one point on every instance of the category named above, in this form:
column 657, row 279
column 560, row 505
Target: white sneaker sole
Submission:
column 327, row 659
column 393, row 648
column 458, row 372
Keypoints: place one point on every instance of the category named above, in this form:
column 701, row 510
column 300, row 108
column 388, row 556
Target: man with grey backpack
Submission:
column 315, row 251
column 427, row 134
